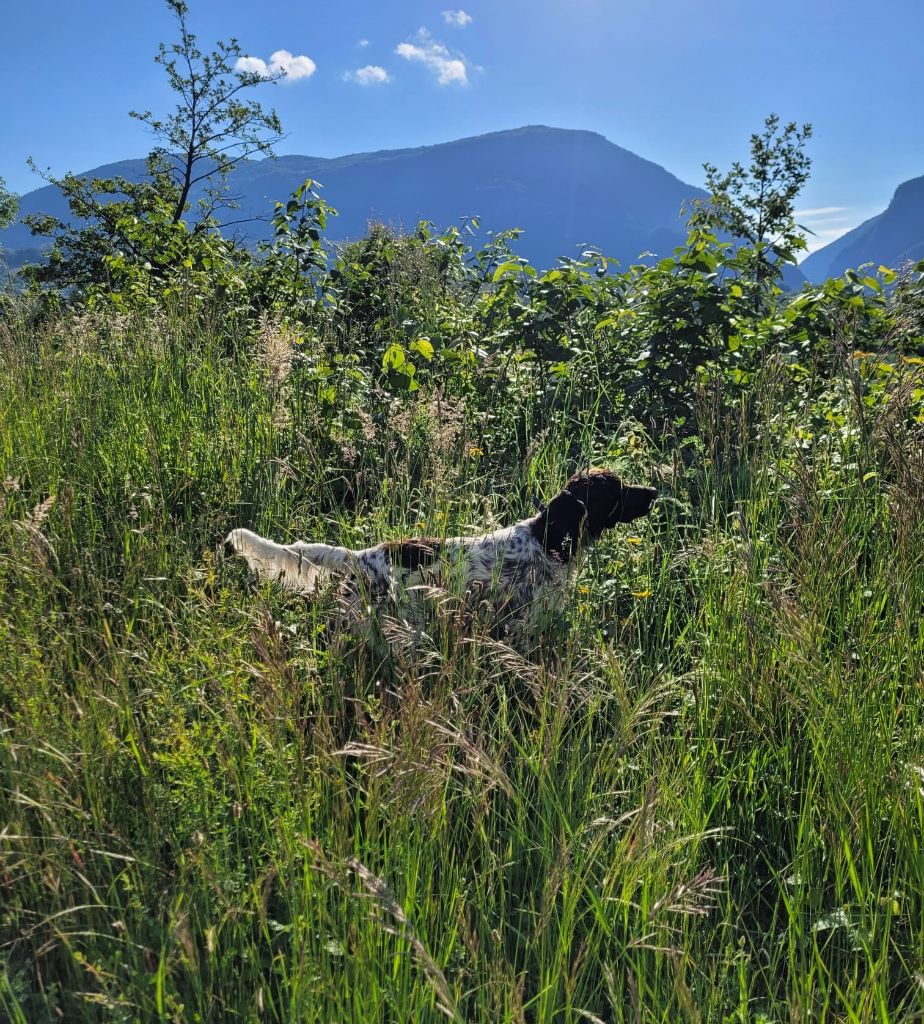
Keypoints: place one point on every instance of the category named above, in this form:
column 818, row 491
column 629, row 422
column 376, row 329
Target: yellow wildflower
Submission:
column 641, row 594
column 633, row 540
column 474, row 451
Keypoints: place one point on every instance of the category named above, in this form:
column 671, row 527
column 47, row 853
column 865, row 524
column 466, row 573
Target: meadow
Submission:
column 699, row 797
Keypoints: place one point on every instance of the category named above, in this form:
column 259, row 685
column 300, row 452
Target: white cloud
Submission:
column 826, row 223
column 436, row 57
column 282, row 62
column 458, row 19
column 253, row 64
column 371, row 74
column 820, row 211
column 363, row 43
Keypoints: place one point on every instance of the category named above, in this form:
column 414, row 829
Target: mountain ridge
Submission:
column 891, row 238
column 563, row 187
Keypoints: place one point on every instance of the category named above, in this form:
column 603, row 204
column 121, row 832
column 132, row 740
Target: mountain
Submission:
column 891, row 238
column 564, row 188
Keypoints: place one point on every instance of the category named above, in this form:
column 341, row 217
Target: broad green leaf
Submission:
column 505, row 269
column 394, row 358
column 424, row 346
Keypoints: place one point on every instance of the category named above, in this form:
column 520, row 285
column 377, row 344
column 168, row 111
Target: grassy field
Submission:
column 701, row 798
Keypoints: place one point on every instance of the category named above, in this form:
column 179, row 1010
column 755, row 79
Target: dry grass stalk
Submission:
column 32, row 524
column 389, row 913
column 275, row 355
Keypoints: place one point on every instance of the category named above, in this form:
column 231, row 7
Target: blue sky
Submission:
column 679, row 82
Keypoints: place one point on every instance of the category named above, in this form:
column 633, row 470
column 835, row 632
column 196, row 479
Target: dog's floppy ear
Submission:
column 565, row 504
column 565, row 515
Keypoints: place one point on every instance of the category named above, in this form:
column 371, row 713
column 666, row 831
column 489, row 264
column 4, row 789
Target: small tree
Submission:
column 199, row 144
column 9, row 204
column 756, row 204
column 212, row 129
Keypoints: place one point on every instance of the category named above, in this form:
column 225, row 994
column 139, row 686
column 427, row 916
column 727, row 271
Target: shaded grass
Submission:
column 700, row 798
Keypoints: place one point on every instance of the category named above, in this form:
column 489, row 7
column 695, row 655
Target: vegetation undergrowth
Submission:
column 699, row 796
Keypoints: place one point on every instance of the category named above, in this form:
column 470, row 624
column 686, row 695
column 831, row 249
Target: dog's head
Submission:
column 590, row 503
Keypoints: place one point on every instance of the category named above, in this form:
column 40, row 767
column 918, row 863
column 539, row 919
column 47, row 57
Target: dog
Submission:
column 519, row 570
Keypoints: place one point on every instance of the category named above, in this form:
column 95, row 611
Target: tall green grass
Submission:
column 700, row 798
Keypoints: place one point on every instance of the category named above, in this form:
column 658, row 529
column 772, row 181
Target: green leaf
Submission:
column 394, row 358
column 424, row 346
column 506, row 269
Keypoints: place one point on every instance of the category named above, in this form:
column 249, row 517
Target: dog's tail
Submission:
column 305, row 568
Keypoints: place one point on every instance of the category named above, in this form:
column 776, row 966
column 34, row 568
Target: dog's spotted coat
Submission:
column 518, row 570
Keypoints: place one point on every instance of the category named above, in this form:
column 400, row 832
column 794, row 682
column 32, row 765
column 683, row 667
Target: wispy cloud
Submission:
column 434, row 55
column 281, row 62
column 363, row 43
column 371, row 74
column 826, row 224
column 820, row 211
column 458, row 19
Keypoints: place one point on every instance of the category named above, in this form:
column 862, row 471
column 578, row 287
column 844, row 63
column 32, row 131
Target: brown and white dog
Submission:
column 519, row 569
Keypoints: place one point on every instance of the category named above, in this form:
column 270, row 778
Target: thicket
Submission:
column 699, row 797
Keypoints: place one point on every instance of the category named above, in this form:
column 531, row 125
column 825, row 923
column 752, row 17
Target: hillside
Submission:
column 564, row 188
column 892, row 237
